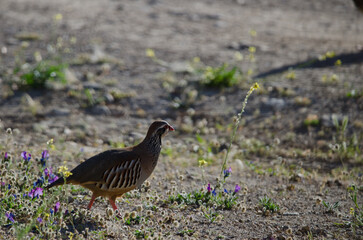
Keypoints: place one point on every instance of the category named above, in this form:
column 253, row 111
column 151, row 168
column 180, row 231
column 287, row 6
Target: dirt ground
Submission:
column 291, row 35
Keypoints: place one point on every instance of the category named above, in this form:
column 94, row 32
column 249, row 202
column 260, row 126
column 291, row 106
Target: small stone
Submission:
column 290, row 214
column 101, row 110
column 59, row 112
column 109, row 98
column 93, row 85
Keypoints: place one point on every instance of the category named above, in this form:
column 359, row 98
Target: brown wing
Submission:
column 95, row 168
column 121, row 176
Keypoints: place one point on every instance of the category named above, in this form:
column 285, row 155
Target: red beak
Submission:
column 171, row 128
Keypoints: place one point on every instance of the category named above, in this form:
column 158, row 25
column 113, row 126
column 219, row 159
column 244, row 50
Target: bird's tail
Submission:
column 59, row 181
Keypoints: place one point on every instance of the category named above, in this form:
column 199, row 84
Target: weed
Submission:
column 185, row 232
column 290, row 75
column 236, row 124
column 356, row 211
column 41, row 74
column 311, row 120
column 346, row 148
column 267, row 205
column 24, row 206
column 355, row 94
column 133, row 219
column 221, row 77
column 331, row 208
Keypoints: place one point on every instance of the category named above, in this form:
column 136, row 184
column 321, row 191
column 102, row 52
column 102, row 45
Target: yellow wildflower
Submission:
column 73, row 40
column 67, row 174
column 25, row 44
column 351, row 212
column 253, row 33
column 334, row 78
column 202, row 162
column 238, row 56
column 330, row 54
column 38, row 56
column 64, row 171
column 324, row 78
column 196, row 59
column 251, row 57
column 50, row 143
column 290, row 75
column 150, row 53
column 255, row 86
column 252, row 49
column 58, row 17
column 322, row 58
column 70, row 236
column 338, row 62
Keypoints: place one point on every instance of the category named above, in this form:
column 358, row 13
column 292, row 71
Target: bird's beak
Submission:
column 171, row 128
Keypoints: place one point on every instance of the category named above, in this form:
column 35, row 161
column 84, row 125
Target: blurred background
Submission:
column 88, row 71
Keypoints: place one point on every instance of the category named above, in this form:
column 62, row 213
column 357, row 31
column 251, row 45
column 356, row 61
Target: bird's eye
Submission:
column 162, row 130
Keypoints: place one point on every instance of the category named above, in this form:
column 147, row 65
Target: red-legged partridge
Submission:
column 115, row 172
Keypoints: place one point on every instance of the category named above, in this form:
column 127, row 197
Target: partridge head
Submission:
column 114, row 172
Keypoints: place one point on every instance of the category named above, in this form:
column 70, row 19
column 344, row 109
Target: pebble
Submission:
column 290, row 214
column 93, row 85
column 59, row 112
column 101, row 110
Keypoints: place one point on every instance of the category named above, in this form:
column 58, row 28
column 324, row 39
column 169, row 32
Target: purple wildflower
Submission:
column 56, row 207
column 39, row 219
column 214, row 192
column 31, row 193
column 10, row 216
column 208, row 187
column 47, row 171
column 39, row 182
column 26, row 156
column 36, row 192
column 237, row 188
column 52, row 178
column 6, row 155
column 45, row 156
column 227, row 172
column 2, row 183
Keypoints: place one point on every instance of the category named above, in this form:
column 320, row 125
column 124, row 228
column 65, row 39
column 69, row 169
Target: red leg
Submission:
column 112, row 201
column 91, row 202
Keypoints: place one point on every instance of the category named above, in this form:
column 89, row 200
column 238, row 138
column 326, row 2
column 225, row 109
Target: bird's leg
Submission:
column 117, row 212
column 91, row 202
column 112, row 201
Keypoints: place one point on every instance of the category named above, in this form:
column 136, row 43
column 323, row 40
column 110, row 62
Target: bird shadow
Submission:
column 345, row 58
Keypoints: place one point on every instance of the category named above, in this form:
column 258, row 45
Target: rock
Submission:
column 109, row 98
column 93, row 85
column 101, row 110
column 327, row 120
column 180, row 67
column 272, row 104
column 70, row 76
column 290, row 214
column 59, row 112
